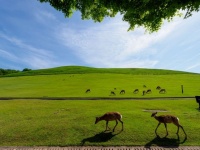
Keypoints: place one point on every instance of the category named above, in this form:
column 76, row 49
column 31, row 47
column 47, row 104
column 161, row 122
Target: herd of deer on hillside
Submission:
column 136, row 91
column 116, row 116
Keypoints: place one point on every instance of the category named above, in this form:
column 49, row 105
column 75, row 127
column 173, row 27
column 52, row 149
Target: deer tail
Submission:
column 177, row 118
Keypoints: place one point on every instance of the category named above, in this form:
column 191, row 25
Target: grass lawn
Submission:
column 65, row 123
column 101, row 85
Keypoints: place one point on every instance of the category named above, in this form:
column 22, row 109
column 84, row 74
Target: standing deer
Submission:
column 143, row 92
column 110, row 116
column 167, row 119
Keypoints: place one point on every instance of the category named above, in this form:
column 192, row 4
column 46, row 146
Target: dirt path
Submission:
column 103, row 148
column 97, row 98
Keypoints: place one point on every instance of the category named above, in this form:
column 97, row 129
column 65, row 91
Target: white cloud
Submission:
column 27, row 54
column 197, row 65
column 42, row 16
column 8, row 55
column 39, row 62
column 110, row 45
column 24, row 46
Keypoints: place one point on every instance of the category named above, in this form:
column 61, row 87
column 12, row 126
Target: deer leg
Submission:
column 166, row 128
column 177, row 130
column 122, row 125
column 178, row 125
column 157, row 128
column 115, row 125
column 106, row 126
column 183, row 130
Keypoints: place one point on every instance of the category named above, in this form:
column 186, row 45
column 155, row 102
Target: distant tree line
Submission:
column 10, row 71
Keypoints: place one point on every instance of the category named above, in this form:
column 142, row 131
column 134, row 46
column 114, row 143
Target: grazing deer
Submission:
column 88, row 90
column 158, row 88
column 148, row 91
column 122, row 92
column 136, row 91
column 162, row 91
column 167, row 119
column 110, row 116
column 112, row 93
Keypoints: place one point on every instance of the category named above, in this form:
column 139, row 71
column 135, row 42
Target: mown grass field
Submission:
column 75, row 85
column 65, row 123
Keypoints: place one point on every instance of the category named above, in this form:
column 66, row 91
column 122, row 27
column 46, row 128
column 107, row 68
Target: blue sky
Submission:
column 34, row 35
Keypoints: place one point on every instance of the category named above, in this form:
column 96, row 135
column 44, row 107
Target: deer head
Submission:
column 97, row 120
column 154, row 114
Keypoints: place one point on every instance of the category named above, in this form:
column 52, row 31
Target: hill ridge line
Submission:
column 70, row 70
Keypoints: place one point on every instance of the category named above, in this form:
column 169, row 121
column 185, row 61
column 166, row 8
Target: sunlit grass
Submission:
column 100, row 84
column 64, row 123
column 87, row 70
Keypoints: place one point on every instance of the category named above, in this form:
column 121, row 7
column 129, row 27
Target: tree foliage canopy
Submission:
column 149, row 14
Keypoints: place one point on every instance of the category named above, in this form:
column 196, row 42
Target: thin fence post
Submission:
column 182, row 88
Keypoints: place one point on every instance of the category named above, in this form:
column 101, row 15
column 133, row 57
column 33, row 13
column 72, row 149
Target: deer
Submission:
column 88, row 90
column 122, row 92
column 136, row 91
column 162, row 91
column 112, row 93
column 110, row 116
column 148, row 91
column 167, row 119
column 158, row 88
column 143, row 92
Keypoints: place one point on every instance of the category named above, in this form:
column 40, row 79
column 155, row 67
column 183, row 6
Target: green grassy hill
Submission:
column 86, row 70
column 73, row 81
column 71, row 123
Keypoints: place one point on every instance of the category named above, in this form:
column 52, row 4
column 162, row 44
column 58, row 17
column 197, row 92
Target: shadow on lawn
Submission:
column 100, row 137
column 165, row 142
column 198, row 109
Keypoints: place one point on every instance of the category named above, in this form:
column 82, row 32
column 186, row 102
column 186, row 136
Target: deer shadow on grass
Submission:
column 100, row 137
column 165, row 142
column 198, row 109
